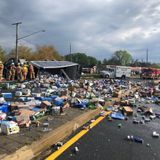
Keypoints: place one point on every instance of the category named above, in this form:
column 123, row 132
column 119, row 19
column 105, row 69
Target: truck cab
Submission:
column 107, row 73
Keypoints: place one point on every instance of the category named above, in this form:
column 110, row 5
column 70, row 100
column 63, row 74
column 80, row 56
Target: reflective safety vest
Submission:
column 31, row 69
column 25, row 69
column 19, row 69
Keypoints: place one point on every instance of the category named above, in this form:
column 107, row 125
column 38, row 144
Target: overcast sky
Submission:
column 95, row 27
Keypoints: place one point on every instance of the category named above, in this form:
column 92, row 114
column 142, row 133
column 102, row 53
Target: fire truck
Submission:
column 150, row 73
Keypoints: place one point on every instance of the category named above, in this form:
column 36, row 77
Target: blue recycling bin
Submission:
column 58, row 102
column 4, row 108
column 44, row 98
column 80, row 105
column 117, row 115
column 7, row 95
column 54, row 97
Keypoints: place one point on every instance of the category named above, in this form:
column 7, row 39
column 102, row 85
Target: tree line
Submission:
column 48, row 52
column 45, row 52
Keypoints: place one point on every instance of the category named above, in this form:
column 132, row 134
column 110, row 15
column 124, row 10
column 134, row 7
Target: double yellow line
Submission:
column 57, row 153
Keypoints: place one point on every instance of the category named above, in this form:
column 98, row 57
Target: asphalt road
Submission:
column 107, row 142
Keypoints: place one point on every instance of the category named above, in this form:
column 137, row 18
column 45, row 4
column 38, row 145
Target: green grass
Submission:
column 90, row 76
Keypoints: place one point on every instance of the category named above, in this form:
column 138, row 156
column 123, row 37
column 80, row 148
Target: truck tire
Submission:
column 106, row 76
column 123, row 77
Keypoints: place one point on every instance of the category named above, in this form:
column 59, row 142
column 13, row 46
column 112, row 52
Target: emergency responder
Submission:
column 19, row 72
column 24, row 71
column 1, row 70
column 12, row 72
column 31, row 72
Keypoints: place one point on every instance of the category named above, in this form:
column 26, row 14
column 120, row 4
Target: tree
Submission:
column 105, row 61
column 24, row 52
column 91, row 61
column 47, row 52
column 82, row 59
column 41, row 53
column 137, row 63
column 121, row 57
column 2, row 54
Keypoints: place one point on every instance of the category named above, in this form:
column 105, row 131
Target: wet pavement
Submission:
column 108, row 141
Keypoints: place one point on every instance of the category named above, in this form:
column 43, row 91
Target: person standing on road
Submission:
column 19, row 72
column 24, row 71
column 1, row 70
column 12, row 72
column 31, row 72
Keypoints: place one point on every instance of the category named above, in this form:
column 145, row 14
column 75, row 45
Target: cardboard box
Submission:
column 45, row 104
column 127, row 110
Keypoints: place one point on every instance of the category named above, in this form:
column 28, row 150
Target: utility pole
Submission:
column 147, row 55
column 16, row 56
column 19, row 38
column 70, row 51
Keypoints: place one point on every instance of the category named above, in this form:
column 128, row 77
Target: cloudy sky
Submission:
column 95, row 27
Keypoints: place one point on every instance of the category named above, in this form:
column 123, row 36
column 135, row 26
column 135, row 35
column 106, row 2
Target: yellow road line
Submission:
column 57, row 153
column 99, row 120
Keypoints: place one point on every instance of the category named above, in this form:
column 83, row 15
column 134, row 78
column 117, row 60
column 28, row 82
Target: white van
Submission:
column 116, row 72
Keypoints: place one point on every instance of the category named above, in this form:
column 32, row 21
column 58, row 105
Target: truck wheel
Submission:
column 123, row 77
column 106, row 76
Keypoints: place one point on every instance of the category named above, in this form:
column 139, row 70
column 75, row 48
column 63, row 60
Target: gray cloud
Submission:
column 96, row 27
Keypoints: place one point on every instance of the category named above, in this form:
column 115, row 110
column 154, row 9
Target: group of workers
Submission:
column 19, row 72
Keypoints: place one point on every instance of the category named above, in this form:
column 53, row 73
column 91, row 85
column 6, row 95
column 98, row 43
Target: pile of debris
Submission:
column 140, row 107
column 22, row 104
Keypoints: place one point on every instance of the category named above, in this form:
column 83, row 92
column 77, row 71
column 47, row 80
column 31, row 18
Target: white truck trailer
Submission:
column 116, row 72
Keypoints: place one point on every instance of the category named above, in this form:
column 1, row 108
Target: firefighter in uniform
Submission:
column 1, row 70
column 19, row 72
column 31, row 72
column 12, row 72
column 24, row 71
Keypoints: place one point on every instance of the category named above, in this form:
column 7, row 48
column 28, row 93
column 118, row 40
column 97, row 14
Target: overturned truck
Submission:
column 66, row 69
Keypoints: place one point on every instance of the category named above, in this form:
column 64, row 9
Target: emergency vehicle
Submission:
column 150, row 73
column 112, row 71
